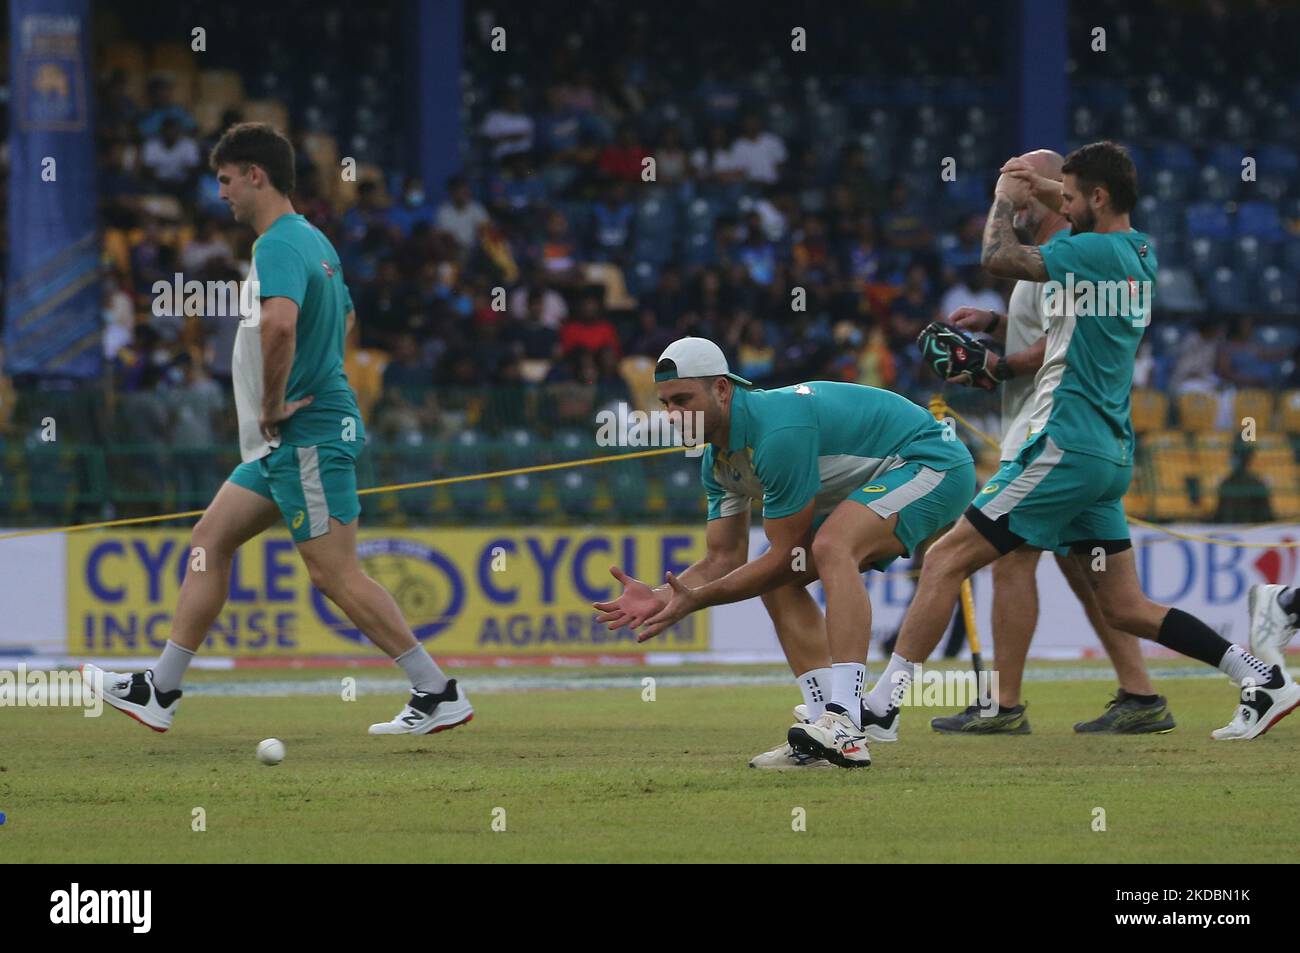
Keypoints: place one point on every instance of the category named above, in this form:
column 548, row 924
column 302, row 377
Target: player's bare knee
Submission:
column 209, row 539
column 828, row 549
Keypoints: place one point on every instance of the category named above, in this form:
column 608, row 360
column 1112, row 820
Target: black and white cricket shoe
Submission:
column 876, row 727
column 427, row 713
column 1262, row 707
column 134, row 695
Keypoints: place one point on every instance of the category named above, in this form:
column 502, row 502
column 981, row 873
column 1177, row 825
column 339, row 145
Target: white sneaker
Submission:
column 1271, row 626
column 784, row 758
column 134, row 695
column 880, row 727
column 876, row 727
column 834, row 737
column 1260, row 709
column 427, row 713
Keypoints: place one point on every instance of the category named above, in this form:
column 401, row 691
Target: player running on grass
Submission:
column 300, row 432
column 850, row 477
column 1136, row 708
column 1064, row 490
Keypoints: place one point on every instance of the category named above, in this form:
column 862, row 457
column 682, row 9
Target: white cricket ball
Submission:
column 270, row 751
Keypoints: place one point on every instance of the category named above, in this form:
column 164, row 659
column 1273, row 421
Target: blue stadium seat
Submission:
column 1250, row 255
column 1279, row 160
column 1213, row 186
column 700, row 249
column 1158, row 217
column 1229, row 292
column 642, row 278
column 1291, row 255
column 1278, row 291
column 1207, row 254
column 1260, row 220
column 1207, row 220
column 1171, row 185
column 1226, row 158
column 1176, row 292
column 1173, row 155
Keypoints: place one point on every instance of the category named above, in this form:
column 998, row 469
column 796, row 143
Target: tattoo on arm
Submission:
column 1002, row 254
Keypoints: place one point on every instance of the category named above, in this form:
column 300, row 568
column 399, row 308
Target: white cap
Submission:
column 694, row 357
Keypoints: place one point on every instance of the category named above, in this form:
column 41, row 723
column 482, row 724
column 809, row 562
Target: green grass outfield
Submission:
column 597, row 774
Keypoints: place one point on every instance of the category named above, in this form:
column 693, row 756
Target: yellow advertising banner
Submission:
column 494, row 591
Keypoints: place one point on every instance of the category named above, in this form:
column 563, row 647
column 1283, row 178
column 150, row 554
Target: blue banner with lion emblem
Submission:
column 52, row 321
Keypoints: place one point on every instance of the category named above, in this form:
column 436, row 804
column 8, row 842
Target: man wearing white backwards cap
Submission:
column 850, row 477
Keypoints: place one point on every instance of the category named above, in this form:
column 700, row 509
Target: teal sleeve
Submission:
column 785, row 462
column 347, row 300
column 712, row 488
column 281, row 272
column 1088, row 256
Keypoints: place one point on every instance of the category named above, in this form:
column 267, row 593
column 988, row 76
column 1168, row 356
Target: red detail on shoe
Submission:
column 82, row 669
column 467, row 720
column 852, row 750
column 1277, row 719
column 137, row 718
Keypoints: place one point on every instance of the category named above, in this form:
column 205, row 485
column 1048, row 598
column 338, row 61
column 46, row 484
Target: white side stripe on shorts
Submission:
column 1030, row 477
column 313, row 491
column 911, row 491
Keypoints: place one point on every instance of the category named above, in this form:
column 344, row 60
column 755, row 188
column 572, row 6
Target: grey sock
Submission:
column 170, row 667
column 422, row 670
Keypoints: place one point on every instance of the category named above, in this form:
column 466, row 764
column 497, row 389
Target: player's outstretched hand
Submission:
column 637, row 603
column 684, row 601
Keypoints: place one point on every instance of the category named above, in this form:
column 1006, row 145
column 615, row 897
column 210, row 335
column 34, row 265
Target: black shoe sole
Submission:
column 1159, row 728
column 802, row 743
column 1022, row 729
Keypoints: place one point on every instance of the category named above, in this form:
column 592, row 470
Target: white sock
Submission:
column 422, row 670
column 170, row 667
column 847, row 681
column 816, row 685
column 1239, row 665
column 890, row 686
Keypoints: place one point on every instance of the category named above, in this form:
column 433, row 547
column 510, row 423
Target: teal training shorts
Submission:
column 308, row 484
column 1054, row 499
column 926, row 500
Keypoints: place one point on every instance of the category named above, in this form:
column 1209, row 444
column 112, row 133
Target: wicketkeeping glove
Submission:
column 953, row 354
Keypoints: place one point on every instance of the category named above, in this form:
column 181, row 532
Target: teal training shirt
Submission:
column 293, row 259
column 1096, row 316
column 818, row 441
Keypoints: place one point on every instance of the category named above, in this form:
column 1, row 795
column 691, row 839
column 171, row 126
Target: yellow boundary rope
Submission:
column 937, row 405
column 391, row 488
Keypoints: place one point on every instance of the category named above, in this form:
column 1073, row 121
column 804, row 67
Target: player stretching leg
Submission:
column 851, row 477
column 299, row 432
column 1136, row 708
column 1065, row 488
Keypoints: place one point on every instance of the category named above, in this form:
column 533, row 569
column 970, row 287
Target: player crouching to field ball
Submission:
column 851, row 478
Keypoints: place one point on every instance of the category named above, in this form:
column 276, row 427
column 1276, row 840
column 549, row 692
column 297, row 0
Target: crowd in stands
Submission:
column 636, row 180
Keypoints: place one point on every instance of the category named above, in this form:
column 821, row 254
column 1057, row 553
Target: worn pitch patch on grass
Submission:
column 601, row 775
